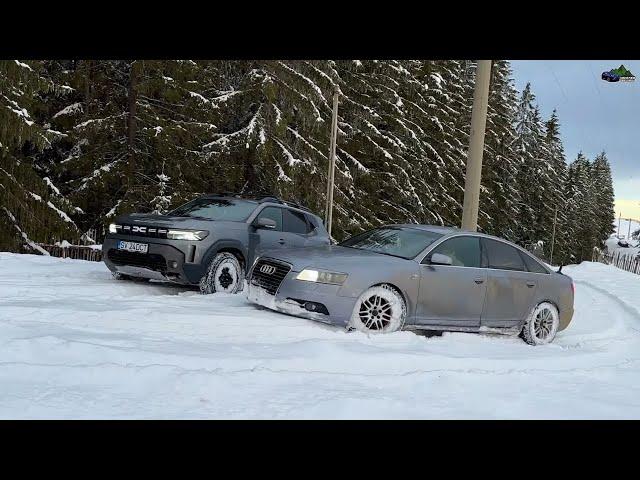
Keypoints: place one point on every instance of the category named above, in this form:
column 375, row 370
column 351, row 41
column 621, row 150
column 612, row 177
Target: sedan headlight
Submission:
column 112, row 228
column 187, row 234
column 322, row 276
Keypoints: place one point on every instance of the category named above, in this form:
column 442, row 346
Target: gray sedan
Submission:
column 417, row 277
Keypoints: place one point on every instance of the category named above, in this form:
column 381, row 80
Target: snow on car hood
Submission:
column 330, row 257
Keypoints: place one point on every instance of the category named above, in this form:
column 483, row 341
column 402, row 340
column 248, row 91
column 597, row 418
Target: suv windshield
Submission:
column 397, row 241
column 216, row 209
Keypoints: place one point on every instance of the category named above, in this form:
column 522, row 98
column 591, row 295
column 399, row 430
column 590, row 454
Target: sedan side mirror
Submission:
column 264, row 222
column 440, row 259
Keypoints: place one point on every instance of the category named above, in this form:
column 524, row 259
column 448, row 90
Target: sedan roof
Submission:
column 429, row 228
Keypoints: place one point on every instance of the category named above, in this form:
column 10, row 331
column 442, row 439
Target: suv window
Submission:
column 464, row 251
column 275, row 214
column 313, row 224
column 216, row 209
column 532, row 264
column 295, row 222
column 503, row 256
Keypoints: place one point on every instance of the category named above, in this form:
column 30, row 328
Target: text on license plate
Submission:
column 133, row 246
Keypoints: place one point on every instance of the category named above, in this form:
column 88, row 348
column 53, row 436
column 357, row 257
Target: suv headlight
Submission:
column 187, row 234
column 322, row 276
column 112, row 228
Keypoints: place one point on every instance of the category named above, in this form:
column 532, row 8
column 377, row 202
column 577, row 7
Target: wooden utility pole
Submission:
column 476, row 147
column 619, row 217
column 328, row 213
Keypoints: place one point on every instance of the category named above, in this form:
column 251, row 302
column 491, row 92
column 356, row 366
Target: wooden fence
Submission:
column 77, row 252
column 628, row 262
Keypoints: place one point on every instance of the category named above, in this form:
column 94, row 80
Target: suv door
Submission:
column 296, row 228
column 511, row 288
column 453, row 295
column 261, row 239
column 317, row 234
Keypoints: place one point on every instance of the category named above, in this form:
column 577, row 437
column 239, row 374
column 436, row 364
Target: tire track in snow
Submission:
column 629, row 309
column 258, row 369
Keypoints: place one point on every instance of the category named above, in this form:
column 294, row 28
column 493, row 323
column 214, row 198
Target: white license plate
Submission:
column 133, row 246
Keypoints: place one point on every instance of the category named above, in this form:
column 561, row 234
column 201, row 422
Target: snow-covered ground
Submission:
column 76, row 344
column 625, row 228
column 611, row 245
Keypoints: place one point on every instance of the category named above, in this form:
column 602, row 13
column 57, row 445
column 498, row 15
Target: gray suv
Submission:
column 209, row 241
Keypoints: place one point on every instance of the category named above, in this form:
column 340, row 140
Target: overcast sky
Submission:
column 595, row 115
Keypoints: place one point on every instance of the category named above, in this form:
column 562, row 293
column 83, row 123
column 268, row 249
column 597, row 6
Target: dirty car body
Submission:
column 492, row 285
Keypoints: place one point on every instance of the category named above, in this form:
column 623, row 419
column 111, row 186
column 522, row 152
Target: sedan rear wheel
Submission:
column 542, row 325
column 380, row 309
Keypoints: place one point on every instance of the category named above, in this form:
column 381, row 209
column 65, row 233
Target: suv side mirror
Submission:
column 440, row 259
column 266, row 223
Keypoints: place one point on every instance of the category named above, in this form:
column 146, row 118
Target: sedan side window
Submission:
column 502, row 256
column 464, row 251
column 275, row 214
column 533, row 265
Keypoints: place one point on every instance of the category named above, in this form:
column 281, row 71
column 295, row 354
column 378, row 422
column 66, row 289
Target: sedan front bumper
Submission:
column 292, row 295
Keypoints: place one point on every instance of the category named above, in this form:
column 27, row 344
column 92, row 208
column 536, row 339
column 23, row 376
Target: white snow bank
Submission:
column 77, row 344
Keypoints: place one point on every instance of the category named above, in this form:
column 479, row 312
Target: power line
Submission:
column 580, row 129
column 595, row 82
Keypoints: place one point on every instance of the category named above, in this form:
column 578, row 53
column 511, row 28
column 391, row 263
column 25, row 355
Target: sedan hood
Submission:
column 330, row 257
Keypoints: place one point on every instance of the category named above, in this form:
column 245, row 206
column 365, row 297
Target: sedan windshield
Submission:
column 397, row 241
column 216, row 209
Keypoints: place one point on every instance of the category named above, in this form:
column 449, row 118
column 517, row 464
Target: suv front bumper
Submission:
column 161, row 262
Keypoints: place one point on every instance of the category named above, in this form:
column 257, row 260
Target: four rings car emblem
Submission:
column 139, row 229
column 267, row 269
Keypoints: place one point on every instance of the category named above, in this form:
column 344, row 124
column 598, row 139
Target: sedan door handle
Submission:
column 531, row 284
column 479, row 280
column 281, row 241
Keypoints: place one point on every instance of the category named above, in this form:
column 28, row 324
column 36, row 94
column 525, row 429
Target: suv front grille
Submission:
column 142, row 230
column 269, row 275
column 152, row 261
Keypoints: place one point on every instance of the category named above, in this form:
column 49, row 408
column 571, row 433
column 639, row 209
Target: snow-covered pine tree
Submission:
column 555, row 201
column 602, row 185
column 162, row 201
column 28, row 213
column 500, row 196
column 126, row 121
column 582, row 208
column 534, row 177
column 123, row 129
column 387, row 167
column 447, row 105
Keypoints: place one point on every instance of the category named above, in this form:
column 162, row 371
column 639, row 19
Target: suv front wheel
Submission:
column 224, row 274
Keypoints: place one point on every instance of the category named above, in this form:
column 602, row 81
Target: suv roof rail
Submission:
column 269, row 198
column 275, row 199
column 224, row 194
column 296, row 205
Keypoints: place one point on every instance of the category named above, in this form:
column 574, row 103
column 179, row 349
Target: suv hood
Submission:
column 330, row 257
